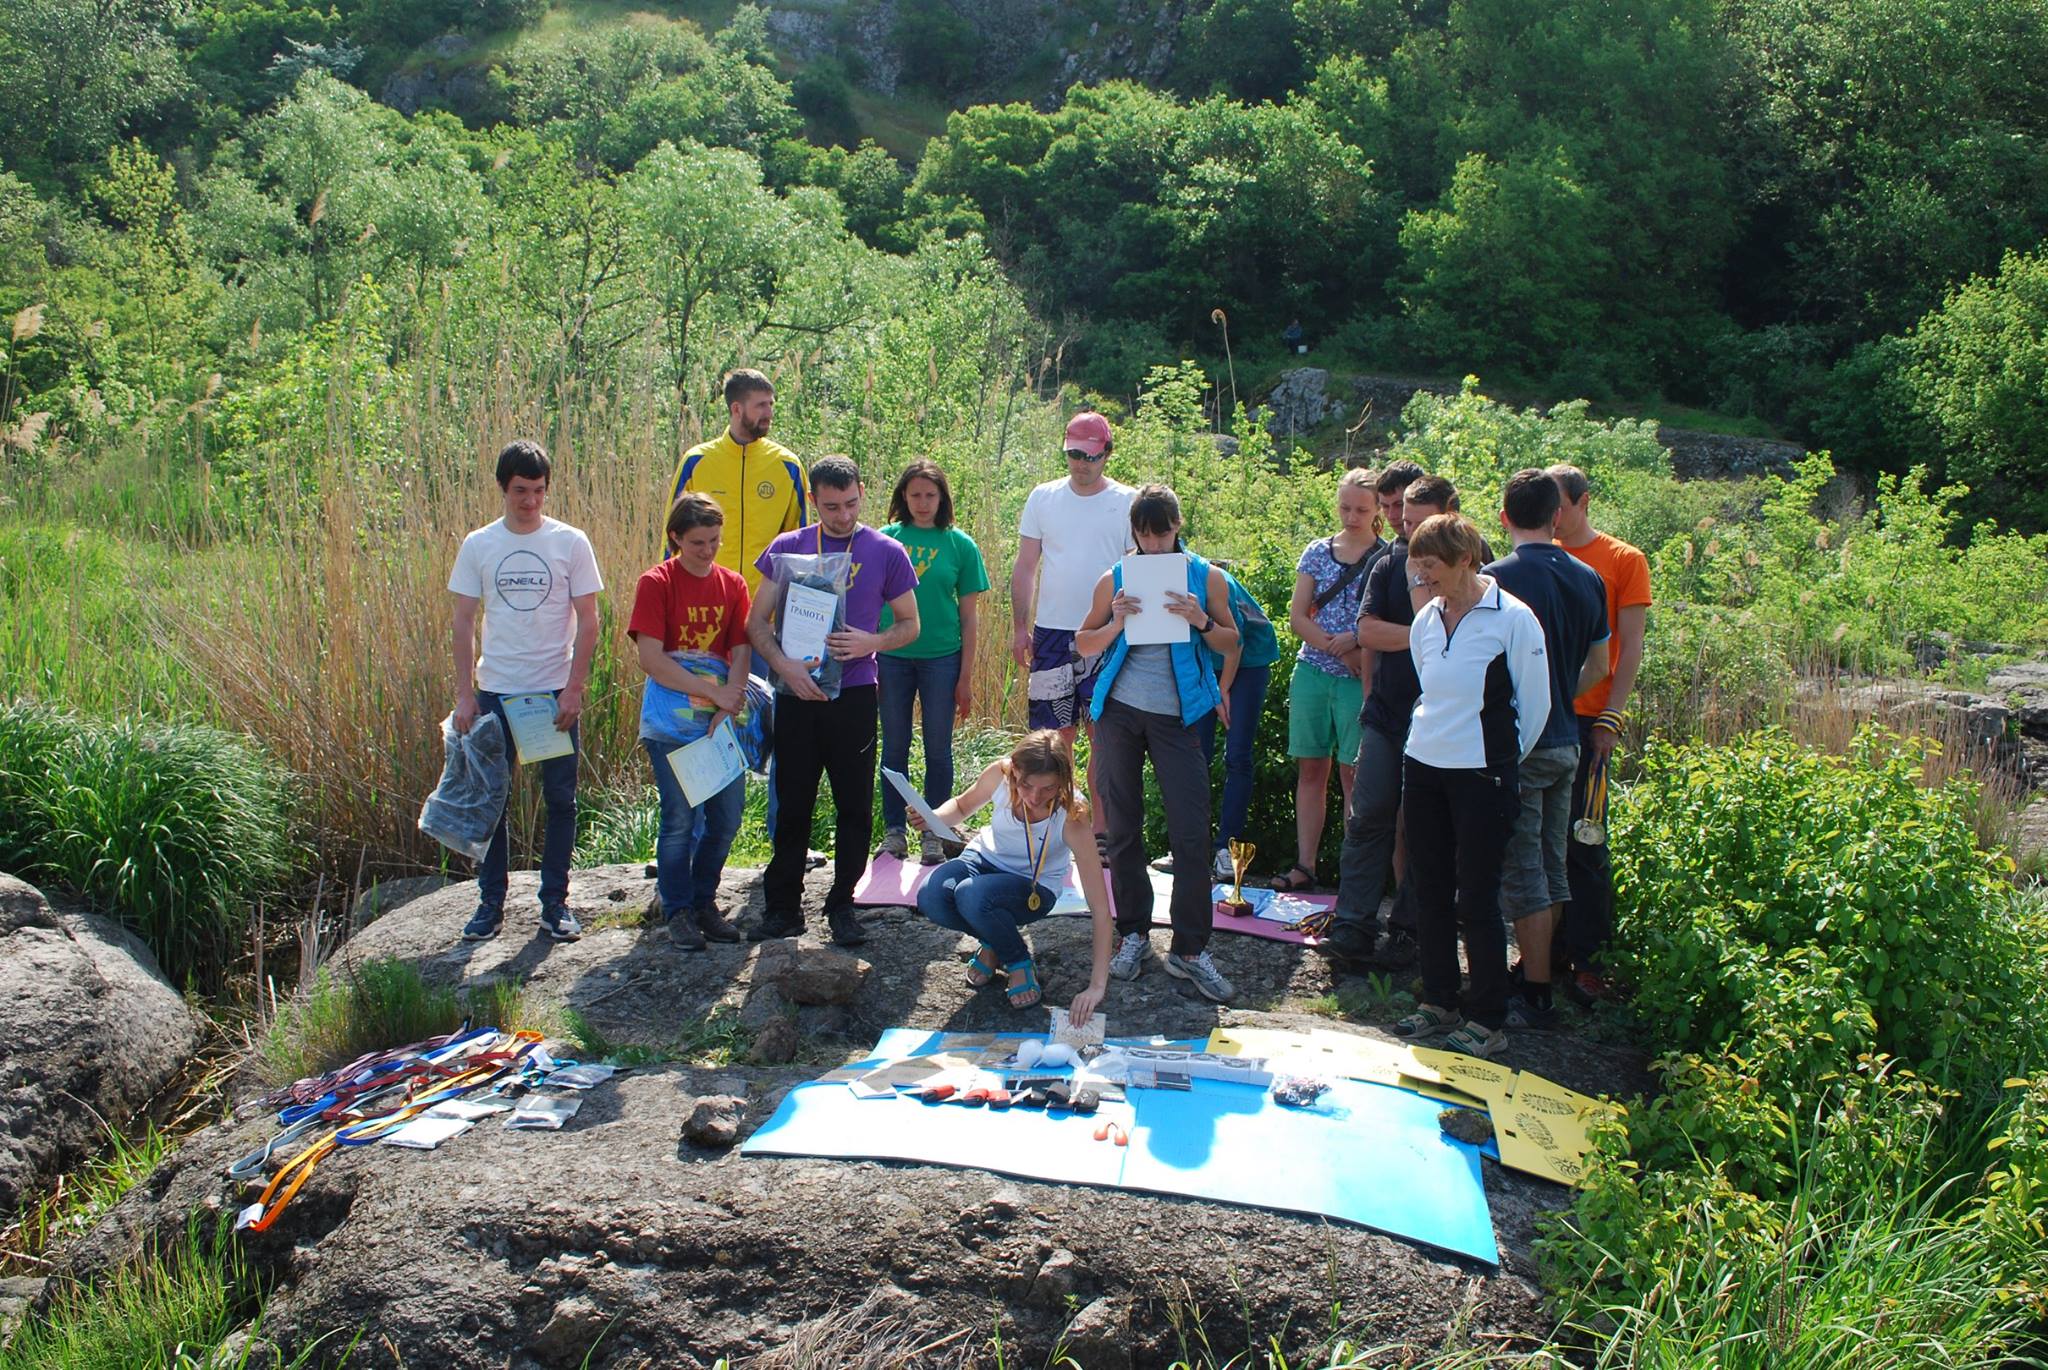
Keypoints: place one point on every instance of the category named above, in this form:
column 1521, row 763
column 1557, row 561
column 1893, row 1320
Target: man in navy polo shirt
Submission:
column 1570, row 601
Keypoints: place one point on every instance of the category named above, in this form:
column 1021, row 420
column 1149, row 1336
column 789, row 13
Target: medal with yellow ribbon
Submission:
column 1037, row 862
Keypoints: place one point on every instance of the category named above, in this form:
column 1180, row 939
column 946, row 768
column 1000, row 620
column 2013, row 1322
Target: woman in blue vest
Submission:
column 1151, row 701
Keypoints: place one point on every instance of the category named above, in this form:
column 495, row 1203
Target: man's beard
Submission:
column 750, row 432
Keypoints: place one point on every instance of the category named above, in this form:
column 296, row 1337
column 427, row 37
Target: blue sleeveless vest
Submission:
column 1192, row 673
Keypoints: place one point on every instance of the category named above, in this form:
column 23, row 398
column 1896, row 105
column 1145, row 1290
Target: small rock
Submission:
column 571, row 1333
column 1099, row 1337
column 818, row 975
column 1056, row 1281
column 764, row 1004
column 16, row 1296
column 1467, row 1125
column 1006, row 1201
column 714, row 1120
column 775, row 1045
column 824, row 1020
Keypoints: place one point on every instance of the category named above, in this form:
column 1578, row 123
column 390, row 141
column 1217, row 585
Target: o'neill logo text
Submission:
column 524, row 581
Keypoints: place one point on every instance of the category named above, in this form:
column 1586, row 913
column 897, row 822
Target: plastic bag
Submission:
column 803, row 615
column 755, row 727
column 673, row 717
column 463, row 811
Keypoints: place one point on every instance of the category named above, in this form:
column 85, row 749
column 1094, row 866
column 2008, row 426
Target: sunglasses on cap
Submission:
column 1076, row 454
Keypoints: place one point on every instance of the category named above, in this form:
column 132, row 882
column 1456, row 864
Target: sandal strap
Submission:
column 1030, row 984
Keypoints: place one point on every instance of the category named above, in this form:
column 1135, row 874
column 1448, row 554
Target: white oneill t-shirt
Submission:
column 524, row 584
column 1083, row 536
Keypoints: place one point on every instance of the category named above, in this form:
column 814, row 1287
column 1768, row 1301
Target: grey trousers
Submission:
column 1369, row 825
column 1124, row 737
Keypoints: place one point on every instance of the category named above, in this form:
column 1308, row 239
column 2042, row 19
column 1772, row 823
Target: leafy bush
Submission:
column 1799, row 928
column 175, row 828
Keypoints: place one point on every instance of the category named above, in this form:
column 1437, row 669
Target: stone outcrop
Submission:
column 90, row 1035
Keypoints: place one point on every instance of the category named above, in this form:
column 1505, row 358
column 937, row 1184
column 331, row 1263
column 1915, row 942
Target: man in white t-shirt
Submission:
column 1071, row 532
column 536, row 580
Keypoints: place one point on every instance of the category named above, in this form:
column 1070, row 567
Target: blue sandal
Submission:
column 975, row 964
column 1027, row 994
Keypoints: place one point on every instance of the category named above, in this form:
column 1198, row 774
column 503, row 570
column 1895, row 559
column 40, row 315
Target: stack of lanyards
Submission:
column 370, row 1097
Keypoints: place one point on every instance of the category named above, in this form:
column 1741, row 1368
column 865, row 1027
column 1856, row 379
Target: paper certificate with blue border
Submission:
column 705, row 767
column 532, row 721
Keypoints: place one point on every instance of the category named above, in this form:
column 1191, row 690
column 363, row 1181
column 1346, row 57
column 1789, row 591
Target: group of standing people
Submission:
column 1443, row 696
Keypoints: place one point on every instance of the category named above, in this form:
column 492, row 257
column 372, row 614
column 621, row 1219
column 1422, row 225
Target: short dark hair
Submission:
column 1436, row 490
column 924, row 468
column 743, row 381
column 1530, row 500
column 834, row 472
column 1571, row 481
column 1396, row 479
column 693, row 509
column 523, row 457
column 1155, row 509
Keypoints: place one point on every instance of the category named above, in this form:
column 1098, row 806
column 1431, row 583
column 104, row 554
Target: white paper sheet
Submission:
column 932, row 821
column 1149, row 578
column 705, row 767
column 807, row 615
column 532, row 718
column 424, row 1134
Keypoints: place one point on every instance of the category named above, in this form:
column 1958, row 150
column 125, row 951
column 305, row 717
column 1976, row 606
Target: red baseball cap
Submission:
column 1087, row 432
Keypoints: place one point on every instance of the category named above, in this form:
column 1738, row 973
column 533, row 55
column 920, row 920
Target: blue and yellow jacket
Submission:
column 760, row 486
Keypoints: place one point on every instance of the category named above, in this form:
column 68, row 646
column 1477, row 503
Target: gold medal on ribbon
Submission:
column 1032, row 902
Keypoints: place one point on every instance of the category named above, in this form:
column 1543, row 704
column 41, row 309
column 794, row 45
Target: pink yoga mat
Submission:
column 889, row 881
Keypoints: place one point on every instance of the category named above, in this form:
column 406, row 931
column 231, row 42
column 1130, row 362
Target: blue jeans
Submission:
column 558, row 792
column 689, row 853
column 1247, row 706
column 930, row 683
column 970, row 895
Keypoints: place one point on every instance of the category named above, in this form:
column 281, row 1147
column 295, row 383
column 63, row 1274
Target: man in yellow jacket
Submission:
column 757, row 481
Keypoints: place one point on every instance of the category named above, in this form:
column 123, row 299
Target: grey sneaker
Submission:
column 1475, row 1039
column 1130, row 956
column 931, row 851
column 1224, row 872
column 1199, row 971
column 560, row 924
column 1428, row 1021
column 896, row 843
column 1531, row 1017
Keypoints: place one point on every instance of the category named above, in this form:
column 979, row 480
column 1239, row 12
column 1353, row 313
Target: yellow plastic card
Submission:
column 1485, row 1079
column 1442, row 1093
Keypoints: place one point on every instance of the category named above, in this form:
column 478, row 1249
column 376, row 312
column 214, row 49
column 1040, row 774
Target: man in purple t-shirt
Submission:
column 816, row 736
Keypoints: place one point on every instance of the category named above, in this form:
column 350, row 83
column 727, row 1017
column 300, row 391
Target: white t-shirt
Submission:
column 1083, row 536
column 524, row 583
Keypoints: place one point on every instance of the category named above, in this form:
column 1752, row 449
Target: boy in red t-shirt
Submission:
column 690, row 623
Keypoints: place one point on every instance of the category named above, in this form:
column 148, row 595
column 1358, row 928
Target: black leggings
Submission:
column 1458, row 823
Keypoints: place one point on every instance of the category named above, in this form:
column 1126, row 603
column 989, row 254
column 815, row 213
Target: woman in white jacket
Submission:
column 1485, row 695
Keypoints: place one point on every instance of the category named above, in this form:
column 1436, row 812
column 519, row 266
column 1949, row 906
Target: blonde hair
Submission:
column 1360, row 475
column 1450, row 538
column 1044, row 752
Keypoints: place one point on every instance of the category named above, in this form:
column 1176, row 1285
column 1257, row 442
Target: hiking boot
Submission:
column 484, row 923
column 1199, row 971
column 1427, row 1021
column 1476, row 1039
column 931, row 851
column 557, row 922
column 1531, row 1016
column 715, row 926
column 844, row 923
column 1130, row 956
column 1349, row 941
column 683, row 932
column 773, row 925
column 896, row 843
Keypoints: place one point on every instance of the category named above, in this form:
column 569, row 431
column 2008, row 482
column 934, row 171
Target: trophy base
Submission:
column 1237, row 908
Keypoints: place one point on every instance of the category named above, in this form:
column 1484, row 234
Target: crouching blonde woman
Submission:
column 1014, row 869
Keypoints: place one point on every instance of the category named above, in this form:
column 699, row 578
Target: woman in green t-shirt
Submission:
column 936, row 672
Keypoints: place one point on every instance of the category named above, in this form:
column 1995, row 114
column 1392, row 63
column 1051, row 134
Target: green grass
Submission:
column 350, row 1011
column 717, row 1039
column 82, row 1196
column 171, row 1310
column 176, row 828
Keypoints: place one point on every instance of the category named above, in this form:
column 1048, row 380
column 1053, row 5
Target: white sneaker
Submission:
column 1130, row 956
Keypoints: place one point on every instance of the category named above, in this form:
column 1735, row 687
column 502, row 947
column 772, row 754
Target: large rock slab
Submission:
column 89, row 1035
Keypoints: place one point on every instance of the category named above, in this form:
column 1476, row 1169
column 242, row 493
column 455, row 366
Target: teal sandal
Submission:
column 1026, row 994
column 977, row 965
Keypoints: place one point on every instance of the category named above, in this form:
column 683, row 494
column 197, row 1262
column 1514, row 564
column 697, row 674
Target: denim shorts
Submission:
column 1532, row 871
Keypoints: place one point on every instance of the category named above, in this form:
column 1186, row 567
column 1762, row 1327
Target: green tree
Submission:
column 1247, row 48
column 1979, row 376
column 150, row 255
column 78, row 71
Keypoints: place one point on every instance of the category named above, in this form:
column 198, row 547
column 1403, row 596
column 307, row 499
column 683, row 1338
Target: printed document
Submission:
column 807, row 614
column 705, row 767
column 932, row 821
column 533, row 728
column 1149, row 578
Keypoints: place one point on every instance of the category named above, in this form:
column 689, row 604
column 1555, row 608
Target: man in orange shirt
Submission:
column 1589, row 917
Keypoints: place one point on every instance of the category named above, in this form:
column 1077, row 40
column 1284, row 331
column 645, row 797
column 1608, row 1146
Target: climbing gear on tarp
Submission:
column 374, row 1095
